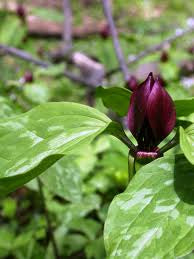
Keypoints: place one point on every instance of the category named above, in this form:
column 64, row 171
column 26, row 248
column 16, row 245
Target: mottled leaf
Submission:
column 31, row 142
column 154, row 217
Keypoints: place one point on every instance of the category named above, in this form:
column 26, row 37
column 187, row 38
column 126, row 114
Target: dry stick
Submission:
column 67, row 33
column 49, row 225
column 28, row 57
column 132, row 59
column 114, row 34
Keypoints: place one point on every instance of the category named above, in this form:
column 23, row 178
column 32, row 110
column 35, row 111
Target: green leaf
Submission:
column 184, row 107
column 31, row 142
column 187, row 142
column 64, row 179
column 115, row 98
column 154, row 217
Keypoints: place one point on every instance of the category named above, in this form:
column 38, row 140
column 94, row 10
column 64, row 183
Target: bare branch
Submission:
column 132, row 59
column 114, row 34
column 28, row 57
column 78, row 79
column 67, row 33
column 23, row 55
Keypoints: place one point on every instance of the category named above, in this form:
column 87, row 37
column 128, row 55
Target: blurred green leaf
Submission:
column 184, row 107
column 12, row 32
column 89, row 227
column 37, row 93
column 95, row 249
column 86, row 161
column 74, row 243
column 64, row 179
column 6, row 241
column 177, row 91
column 187, row 142
column 69, row 212
column 9, row 207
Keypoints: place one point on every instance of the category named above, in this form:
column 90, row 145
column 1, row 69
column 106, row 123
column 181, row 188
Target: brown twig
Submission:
column 49, row 225
column 28, row 57
column 132, row 59
column 123, row 66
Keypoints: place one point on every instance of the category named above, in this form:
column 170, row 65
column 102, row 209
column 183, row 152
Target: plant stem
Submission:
column 172, row 143
column 131, row 166
column 49, row 225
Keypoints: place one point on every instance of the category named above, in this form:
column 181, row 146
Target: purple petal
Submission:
column 138, row 105
column 161, row 112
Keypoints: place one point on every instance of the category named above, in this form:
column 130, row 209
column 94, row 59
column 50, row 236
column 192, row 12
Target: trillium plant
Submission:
column 151, row 117
column 154, row 216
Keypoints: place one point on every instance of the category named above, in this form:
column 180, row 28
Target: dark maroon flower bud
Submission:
column 28, row 77
column 164, row 56
column 151, row 116
column 161, row 80
column 21, row 12
column 105, row 31
column 132, row 83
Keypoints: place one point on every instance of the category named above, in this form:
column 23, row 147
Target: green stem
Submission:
column 131, row 167
column 172, row 143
